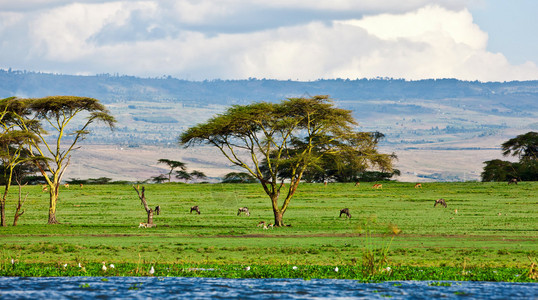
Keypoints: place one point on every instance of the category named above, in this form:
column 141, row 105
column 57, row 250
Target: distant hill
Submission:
column 113, row 88
column 446, row 115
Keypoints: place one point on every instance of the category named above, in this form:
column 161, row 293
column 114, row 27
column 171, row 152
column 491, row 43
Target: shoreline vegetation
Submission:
column 487, row 232
column 306, row 272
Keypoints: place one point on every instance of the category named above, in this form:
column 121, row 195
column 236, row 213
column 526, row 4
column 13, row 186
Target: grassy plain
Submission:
column 496, row 225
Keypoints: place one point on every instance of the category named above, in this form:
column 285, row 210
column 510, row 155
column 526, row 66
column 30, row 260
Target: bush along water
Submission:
column 375, row 261
column 267, row 271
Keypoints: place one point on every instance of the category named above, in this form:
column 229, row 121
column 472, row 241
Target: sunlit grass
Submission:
column 495, row 226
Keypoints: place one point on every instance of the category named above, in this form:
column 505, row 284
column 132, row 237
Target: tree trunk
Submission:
column 53, row 202
column 3, row 204
column 3, row 208
column 18, row 212
column 142, row 196
column 278, row 218
column 16, row 219
column 150, row 216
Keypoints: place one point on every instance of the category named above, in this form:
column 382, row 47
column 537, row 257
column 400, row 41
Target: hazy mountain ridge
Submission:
column 112, row 88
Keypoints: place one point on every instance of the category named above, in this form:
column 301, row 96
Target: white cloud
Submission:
column 434, row 42
column 186, row 39
column 425, row 25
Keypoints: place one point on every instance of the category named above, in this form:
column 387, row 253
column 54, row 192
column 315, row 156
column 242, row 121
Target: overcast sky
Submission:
column 486, row 40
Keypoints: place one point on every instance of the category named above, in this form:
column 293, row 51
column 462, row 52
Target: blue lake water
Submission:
column 220, row 288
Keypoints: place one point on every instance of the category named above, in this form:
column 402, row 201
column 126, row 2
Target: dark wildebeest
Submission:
column 196, row 209
column 345, row 211
column 513, row 180
column 440, row 201
column 243, row 210
column 158, row 210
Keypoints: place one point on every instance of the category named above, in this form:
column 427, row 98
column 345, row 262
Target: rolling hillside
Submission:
column 440, row 129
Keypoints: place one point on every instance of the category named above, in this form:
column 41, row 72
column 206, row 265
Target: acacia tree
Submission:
column 13, row 152
column 57, row 113
column 198, row 175
column 159, row 178
column 291, row 135
column 184, row 175
column 524, row 146
column 172, row 164
column 498, row 170
column 343, row 166
column 238, row 177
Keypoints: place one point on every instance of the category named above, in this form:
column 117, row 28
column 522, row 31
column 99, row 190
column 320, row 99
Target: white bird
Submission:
column 12, row 261
column 79, row 265
column 112, row 266
column 151, row 271
column 336, row 269
column 295, row 267
column 65, row 266
column 247, row 268
column 103, row 267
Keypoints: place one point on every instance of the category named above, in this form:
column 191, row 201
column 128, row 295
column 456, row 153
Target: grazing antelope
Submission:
column 44, row 188
column 81, row 185
column 66, row 185
column 243, row 210
column 377, row 186
column 345, row 211
column 357, row 183
column 418, row 185
column 513, row 180
column 262, row 224
column 270, row 226
column 146, row 225
column 440, row 201
column 325, row 183
column 158, row 210
column 455, row 211
column 196, row 209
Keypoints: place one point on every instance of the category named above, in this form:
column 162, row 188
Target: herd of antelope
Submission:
column 265, row 225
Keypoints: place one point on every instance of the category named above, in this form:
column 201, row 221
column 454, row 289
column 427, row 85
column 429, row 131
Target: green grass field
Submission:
column 496, row 225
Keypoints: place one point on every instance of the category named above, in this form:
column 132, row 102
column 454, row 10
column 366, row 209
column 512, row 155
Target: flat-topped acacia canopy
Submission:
column 272, row 139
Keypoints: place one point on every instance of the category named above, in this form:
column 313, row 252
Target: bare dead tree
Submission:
column 19, row 212
column 149, row 211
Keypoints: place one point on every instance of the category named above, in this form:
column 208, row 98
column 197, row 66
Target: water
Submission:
column 259, row 289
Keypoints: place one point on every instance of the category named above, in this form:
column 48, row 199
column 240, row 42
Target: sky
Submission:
column 485, row 40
